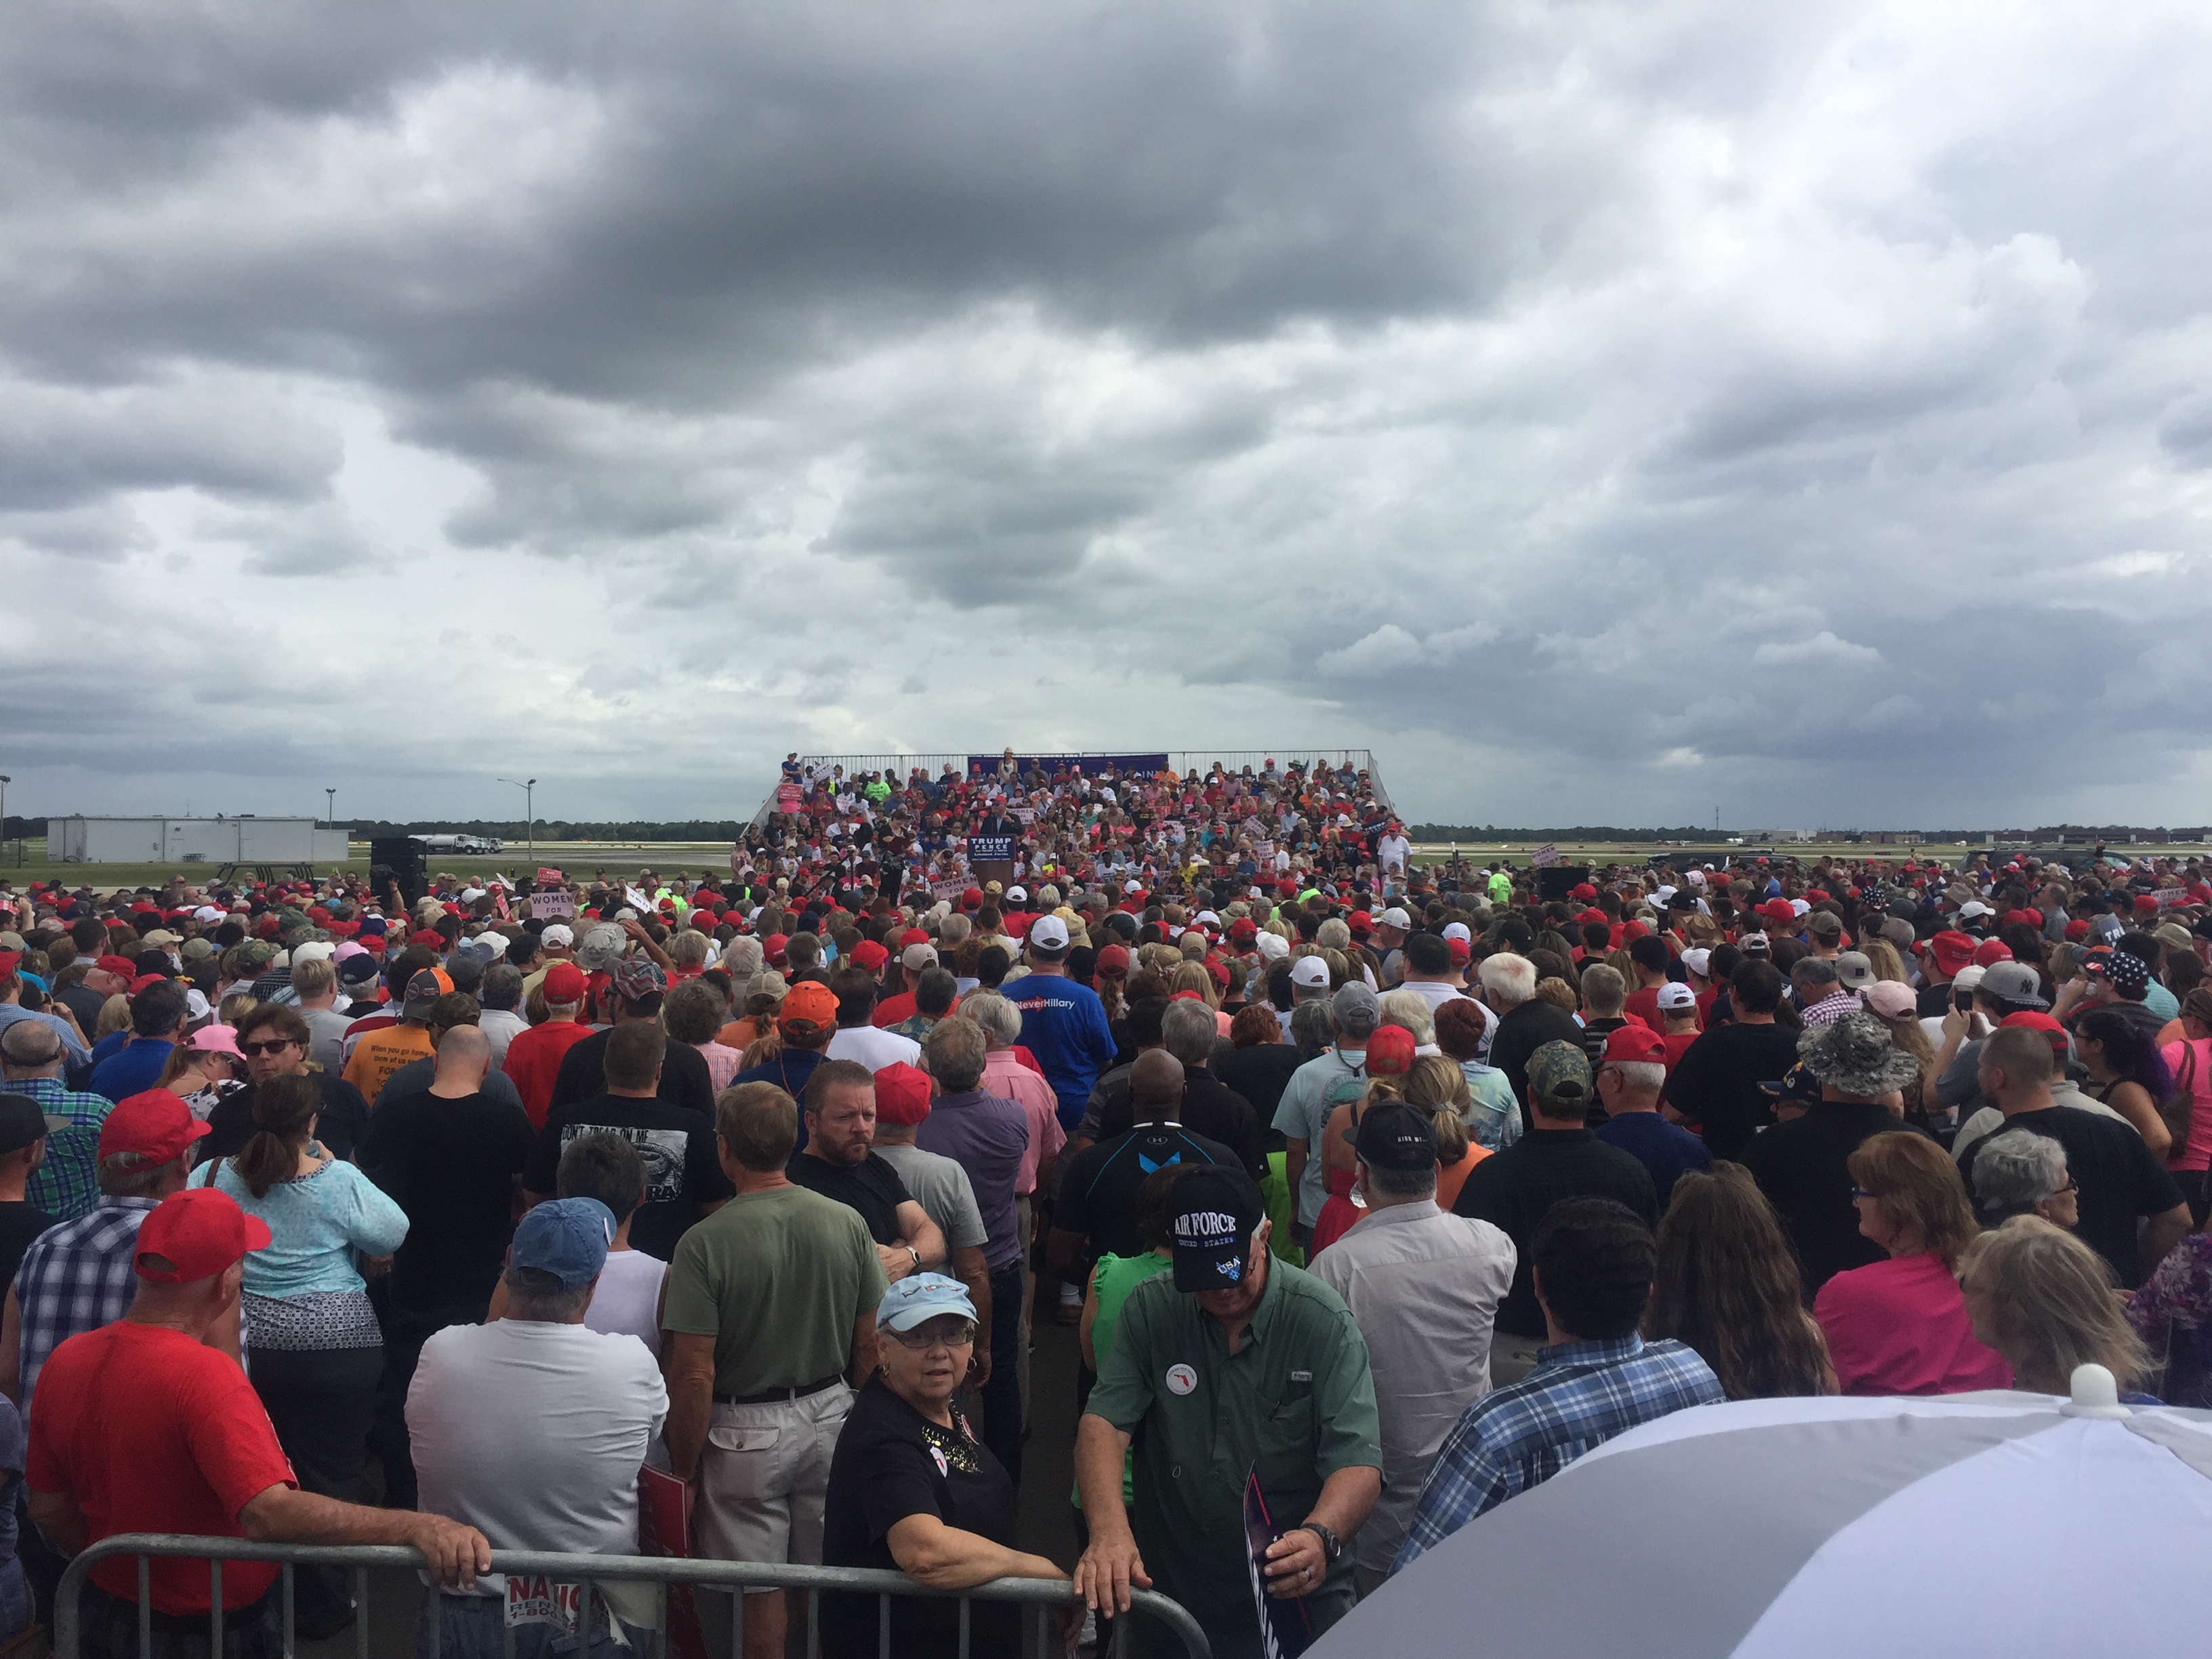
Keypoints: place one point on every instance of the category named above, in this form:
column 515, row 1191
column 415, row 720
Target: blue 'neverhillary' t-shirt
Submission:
column 1064, row 1025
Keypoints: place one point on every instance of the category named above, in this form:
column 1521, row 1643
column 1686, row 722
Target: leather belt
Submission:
column 771, row 1395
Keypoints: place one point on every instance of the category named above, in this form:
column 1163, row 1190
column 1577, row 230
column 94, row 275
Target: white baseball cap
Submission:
column 1394, row 917
column 1674, row 997
column 559, row 933
column 1049, row 933
column 1019, row 895
column 1698, row 960
column 1458, row 930
column 1309, row 972
column 1274, row 946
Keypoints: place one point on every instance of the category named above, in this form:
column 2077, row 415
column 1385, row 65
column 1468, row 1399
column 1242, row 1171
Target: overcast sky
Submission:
column 1604, row 413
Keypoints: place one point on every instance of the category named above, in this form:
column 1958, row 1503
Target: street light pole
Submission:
column 529, row 787
column 330, row 807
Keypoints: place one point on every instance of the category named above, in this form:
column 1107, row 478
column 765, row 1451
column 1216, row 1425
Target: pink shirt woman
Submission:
column 1901, row 1326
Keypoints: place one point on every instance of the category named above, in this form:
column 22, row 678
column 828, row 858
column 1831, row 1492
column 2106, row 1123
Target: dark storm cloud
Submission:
column 1604, row 411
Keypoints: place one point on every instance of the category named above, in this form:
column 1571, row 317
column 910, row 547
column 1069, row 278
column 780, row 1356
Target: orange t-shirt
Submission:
column 1451, row 1179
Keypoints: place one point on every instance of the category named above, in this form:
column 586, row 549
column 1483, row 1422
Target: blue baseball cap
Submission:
column 566, row 1237
column 919, row 1297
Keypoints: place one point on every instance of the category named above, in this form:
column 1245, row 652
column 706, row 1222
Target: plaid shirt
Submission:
column 76, row 1278
column 1579, row 1395
column 1832, row 1007
column 67, row 1185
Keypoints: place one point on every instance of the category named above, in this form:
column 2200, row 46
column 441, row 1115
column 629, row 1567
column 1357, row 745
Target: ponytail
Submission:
column 284, row 1110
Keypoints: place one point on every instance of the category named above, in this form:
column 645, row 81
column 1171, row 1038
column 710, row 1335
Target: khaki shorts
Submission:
column 762, row 1478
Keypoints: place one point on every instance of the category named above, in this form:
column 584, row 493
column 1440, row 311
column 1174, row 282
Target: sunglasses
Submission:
column 275, row 1046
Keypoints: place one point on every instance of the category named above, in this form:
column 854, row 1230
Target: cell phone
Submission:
column 1963, row 1001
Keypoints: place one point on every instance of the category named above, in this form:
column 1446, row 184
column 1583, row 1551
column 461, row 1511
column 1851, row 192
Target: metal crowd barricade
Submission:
column 732, row 1578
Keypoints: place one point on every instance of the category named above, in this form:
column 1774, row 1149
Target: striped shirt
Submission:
column 76, row 1278
column 1579, row 1395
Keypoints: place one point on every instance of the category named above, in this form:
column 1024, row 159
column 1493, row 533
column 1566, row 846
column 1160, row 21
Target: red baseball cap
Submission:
column 1390, row 1051
column 1583, row 893
column 2146, row 905
column 121, row 967
column 153, row 1123
column 1990, row 950
column 870, row 955
column 1634, row 930
column 913, row 936
column 1359, row 922
column 970, row 898
column 563, row 982
column 1113, row 961
column 1459, row 950
column 1634, row 1044
column 901, row 1094
column 1779, row 909
column 2077, row 929
column 197, row 1232
column 1952, row 949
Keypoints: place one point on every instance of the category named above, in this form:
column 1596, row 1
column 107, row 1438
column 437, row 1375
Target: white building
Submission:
column 246, row 839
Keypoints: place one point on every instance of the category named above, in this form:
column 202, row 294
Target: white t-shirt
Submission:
column 873, row 1047
column 627, row 1301
column 501, row 1026
column 534, row 1434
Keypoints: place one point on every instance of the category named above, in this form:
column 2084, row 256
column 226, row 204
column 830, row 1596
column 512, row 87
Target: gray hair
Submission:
column 1313, row 1025
column 1335, row 934
column 1001, row 1020
column 1815, row 970
column 1604, row 990
column 532, row 1295
column 954, row 930
column 954, row 1051
column 1645, row 1077
column 1510, row 979
column 1403, row 1184
column 743, row 959
column 1411, row 1010
column 1187, row 1031
column 2013, row 1173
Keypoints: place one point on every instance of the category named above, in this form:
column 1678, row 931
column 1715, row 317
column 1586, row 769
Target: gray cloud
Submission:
column 1604, row 413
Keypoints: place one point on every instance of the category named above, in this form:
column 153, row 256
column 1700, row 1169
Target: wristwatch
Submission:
column 1331, row 1545
column 916, row 1255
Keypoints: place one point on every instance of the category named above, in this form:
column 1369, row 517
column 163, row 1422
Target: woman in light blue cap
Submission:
column 912, row 1487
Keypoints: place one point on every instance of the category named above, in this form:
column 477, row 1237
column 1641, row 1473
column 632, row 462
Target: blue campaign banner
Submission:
column 987, row 849
column 988, row 765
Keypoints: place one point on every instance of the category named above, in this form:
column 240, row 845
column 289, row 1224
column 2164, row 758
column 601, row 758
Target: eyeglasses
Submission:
column 2071, row 1186
column 924, row 1337
column 275, row 1046
column 1859, row 1192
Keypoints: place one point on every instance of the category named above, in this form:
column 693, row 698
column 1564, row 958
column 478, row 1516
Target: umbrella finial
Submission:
column 2095, row 1395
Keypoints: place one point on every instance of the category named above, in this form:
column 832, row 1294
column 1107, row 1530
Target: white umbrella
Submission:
column 1992, row 1523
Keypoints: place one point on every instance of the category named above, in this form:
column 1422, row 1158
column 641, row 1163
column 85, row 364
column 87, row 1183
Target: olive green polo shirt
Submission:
column 1296, row 1401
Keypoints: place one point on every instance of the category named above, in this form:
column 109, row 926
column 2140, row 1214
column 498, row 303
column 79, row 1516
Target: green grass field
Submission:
column 22, row 862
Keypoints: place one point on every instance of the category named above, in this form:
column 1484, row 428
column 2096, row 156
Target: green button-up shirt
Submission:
column 1296, row 1401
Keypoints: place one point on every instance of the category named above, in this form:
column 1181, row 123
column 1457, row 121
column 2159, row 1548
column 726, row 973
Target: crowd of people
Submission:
column 332, row 1213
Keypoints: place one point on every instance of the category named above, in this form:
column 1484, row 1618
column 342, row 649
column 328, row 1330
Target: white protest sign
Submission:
column 546, row 907
column 1545, row 856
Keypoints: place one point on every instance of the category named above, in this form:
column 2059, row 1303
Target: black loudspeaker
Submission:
column 402, row 855
column 1556, row 881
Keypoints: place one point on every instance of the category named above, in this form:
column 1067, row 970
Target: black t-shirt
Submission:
column 2119, row 1179
column 1523, row 1030
column 83, row 1001
column 677, row 1145
column 341, row 1122
column 1715, row 1082
column 1801, row 1167
column 1513, row 1189
column 451, row 1164
column 1933, row 1001
column 1210, row 1110
column 20, row 1223
column 1260, row 1074
column 872, row 1187
column 1098, row 1186
column 684, row 1078
column 892, row 1462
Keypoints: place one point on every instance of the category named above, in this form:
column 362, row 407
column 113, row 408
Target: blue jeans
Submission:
column 473, row 1626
